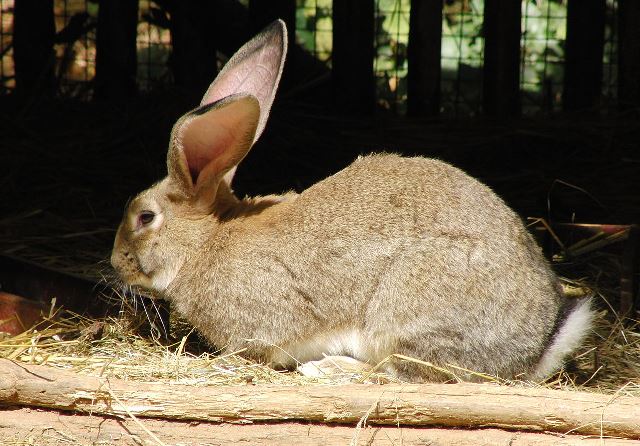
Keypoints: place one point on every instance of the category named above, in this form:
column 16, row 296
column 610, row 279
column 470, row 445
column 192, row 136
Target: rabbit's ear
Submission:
column 255, row 70
column 208, row 143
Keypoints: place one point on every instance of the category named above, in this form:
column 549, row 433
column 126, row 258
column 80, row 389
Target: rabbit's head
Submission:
column 164, row 224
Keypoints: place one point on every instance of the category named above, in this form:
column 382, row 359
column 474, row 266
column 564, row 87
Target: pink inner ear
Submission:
column 216, row 141
column 203, row 143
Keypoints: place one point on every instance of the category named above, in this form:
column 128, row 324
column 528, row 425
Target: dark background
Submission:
column 69, row 162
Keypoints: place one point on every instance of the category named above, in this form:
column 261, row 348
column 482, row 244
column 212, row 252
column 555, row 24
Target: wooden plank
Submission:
column 501, row 71
column 53, row 428
column 423, row 53
column 629, row 53
column 353, row 33
column 583, row 54
column 116, row 51
column 33, row 56
column 459, row 405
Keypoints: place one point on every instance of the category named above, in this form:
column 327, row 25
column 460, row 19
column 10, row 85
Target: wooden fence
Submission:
column 195, row 39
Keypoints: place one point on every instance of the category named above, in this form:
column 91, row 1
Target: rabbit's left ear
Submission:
column 255, row 69
column 207, row 144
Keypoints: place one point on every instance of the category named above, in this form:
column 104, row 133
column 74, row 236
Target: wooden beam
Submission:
column 116, row 50
column 501, row 71
column 52, row 428
column 353, row 81
column 629, row 53
column 459, row 405
column 423, row 53
column 583, row 54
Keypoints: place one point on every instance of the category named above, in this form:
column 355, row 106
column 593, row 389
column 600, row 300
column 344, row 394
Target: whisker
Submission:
column 155, row 333
column 161, row 319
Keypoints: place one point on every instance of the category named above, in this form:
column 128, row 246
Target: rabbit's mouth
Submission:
column 132, row 276
column 150, row 276
column 128, row 268
column 155, row 281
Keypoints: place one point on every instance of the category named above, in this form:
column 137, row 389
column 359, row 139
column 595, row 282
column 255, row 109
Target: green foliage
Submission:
column 543, row 26
column 462, row 34
column 314, row 27
column 544, row 32
column 390, row 64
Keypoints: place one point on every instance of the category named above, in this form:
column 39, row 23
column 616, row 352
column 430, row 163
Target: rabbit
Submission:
column 389, row 255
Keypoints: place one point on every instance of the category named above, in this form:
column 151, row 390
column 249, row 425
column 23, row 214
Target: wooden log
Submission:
column 46, row 428
column 501, row 70
column 423, row 54
column 629, row 53
column 583, row 55
column 460, row 405
column 352, row 59
column 116, row 51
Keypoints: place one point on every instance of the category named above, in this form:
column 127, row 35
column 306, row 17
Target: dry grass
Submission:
column 114, row 347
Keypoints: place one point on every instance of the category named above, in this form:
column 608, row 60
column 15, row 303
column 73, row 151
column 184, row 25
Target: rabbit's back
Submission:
column 413, row 255
column 391, row 195
column 389, row 255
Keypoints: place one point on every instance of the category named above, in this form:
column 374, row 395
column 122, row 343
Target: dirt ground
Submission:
column 24, row 426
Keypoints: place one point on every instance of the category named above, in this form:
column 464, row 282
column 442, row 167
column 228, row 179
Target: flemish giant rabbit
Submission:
column 390, row 255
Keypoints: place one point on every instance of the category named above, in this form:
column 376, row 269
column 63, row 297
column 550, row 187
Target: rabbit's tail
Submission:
column 571, row 331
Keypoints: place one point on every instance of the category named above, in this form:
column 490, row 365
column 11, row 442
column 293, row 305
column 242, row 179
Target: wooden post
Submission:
column 423, row 53
column 33, row 56
column 194, row 60
column 353, row 81
column 629, row 53
column 501, row 72
column 116, row 57
column 583, row 55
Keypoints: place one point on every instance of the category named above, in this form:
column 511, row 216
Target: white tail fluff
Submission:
column 568, row 337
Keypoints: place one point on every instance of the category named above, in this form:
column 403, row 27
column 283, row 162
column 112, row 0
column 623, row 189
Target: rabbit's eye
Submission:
column 145, row 217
